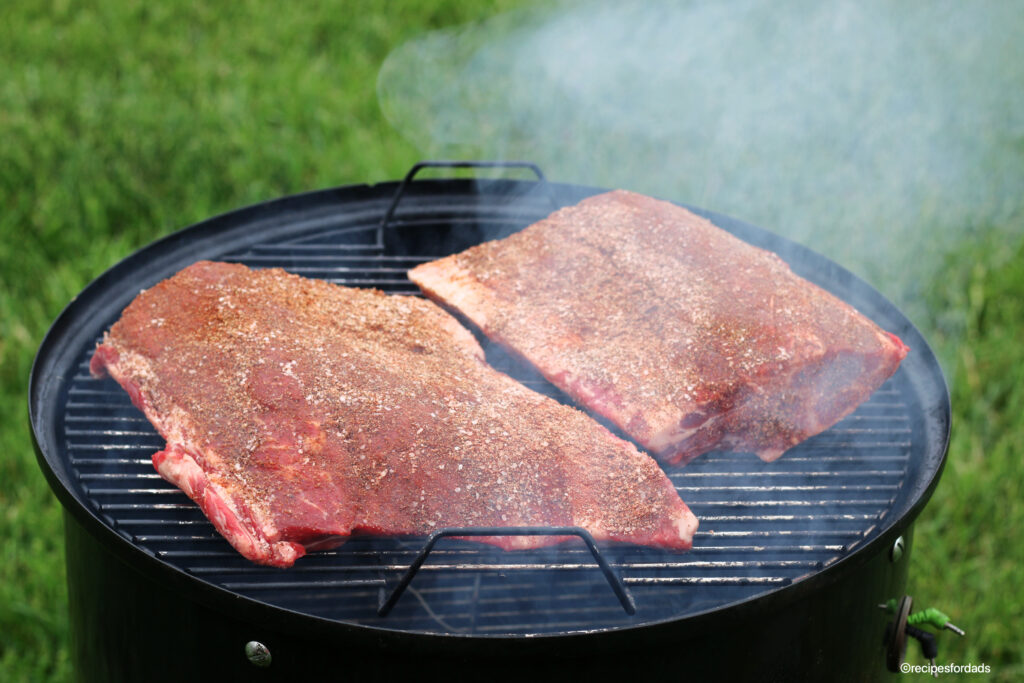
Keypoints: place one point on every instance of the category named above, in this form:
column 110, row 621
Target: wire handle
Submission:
column 618, row 587
column 389, row 214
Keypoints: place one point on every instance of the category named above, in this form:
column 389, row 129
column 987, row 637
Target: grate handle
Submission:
column 389, row 214
column 614, row 580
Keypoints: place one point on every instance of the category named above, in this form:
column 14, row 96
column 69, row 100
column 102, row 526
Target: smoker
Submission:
column 787, row 571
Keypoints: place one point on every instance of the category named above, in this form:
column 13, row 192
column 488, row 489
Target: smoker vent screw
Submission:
column 257, row 653
column 896, row 552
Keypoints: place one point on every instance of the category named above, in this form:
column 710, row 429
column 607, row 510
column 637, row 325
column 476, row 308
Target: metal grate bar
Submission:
column 774, row 474
column 707, row 580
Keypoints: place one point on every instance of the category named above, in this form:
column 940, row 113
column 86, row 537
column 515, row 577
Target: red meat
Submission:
column 297, row 413
column 684, row 336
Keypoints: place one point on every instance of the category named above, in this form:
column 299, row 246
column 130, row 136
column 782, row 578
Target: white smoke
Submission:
column 881, row 134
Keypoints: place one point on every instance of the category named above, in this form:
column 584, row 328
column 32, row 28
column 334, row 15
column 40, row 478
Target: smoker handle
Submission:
column 614, row 580
column 455, row 164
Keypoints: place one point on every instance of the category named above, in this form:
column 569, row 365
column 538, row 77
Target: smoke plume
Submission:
column 880, row 134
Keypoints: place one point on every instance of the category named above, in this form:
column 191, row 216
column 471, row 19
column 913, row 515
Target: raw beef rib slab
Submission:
column 685, row 337
column 297, row 412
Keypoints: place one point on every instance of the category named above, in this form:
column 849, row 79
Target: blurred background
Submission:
column 888, row 136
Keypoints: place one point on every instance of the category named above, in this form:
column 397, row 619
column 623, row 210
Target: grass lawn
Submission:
column 123, row 121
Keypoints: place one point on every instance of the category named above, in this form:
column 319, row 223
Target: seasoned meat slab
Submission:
column 685, row 337
column 297, row 413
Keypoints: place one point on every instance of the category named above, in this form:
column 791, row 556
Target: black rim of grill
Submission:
column 767, row 530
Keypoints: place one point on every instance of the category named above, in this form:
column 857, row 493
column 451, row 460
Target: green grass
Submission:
column 967, row 557
column 121, row 121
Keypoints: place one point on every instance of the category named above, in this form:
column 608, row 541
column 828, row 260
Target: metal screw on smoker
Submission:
column 897, row 549
column 257, row 653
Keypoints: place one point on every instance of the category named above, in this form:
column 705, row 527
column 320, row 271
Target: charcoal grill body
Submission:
column 131, row 624
column 787, row 570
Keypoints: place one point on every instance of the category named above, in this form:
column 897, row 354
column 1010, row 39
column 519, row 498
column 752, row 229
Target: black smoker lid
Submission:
column 769, row 531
